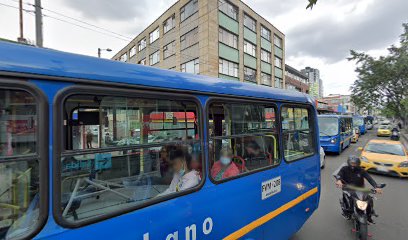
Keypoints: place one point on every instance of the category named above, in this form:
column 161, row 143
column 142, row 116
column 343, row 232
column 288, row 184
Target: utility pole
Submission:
column 21, row 38
column 38, row 24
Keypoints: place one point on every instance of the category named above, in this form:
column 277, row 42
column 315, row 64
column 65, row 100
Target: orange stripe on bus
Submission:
column 258, row 222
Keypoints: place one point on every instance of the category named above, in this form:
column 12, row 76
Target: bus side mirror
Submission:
column 360, row 148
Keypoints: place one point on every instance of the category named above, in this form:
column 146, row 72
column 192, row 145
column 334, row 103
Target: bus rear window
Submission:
column 19, row 164
column 125, row 152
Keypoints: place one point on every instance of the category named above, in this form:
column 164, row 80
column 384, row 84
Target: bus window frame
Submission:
column 114, row 91
column 311, row 110
column 42, row 156
column 237, row 99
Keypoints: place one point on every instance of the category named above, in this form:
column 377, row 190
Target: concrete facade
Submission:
column 315, row 83
column 339, row 103
column 204, row 48
column 295, row 80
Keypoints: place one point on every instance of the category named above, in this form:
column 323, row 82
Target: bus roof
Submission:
column 18, row 59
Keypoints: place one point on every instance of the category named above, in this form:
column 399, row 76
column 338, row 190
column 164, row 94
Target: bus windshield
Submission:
column 328, row 126
column 358, row 121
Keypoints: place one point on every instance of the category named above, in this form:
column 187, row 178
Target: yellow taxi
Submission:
column 385, row 156
column 384, row 131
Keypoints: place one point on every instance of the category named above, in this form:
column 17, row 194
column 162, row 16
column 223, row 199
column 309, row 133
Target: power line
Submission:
column 87, row 28
column 78, row 20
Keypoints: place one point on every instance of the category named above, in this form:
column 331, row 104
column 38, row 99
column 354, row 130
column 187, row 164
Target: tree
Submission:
column 311, row 4
column 383, row 82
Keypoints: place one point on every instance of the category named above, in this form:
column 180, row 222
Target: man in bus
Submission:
column 354, row 175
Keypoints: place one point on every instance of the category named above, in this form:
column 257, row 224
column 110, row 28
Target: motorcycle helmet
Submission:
column 353, row 162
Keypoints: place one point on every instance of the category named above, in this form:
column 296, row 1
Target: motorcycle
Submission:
column 355, row 206
column 395, row 135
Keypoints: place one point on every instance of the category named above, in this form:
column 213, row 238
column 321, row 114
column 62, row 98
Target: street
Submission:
column 327, row 222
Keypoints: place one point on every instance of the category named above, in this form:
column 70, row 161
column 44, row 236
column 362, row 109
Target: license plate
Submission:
column 382, row 169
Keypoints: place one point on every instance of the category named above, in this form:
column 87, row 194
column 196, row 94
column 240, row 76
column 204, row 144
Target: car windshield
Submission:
column 383, row 148
column 385, row 127
column 358, row 121
column 328, row 126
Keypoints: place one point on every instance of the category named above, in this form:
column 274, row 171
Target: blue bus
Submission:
column 100, row 149
column 336, row 132
column 359, row 121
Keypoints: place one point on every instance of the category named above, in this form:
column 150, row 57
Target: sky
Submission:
column 320, row 38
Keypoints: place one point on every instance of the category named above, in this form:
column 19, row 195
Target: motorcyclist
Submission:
column 354, row 175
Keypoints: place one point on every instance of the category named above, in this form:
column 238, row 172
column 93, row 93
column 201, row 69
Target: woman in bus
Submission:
column 183, row 178
column 224, row 168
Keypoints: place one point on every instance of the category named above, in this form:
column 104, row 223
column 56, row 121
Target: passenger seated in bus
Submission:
column 225, row 167
column 252, row 150
column 195, row 163
column 183, row 177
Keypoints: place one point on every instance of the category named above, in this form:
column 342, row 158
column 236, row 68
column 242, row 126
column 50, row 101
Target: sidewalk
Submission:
column 404, row 139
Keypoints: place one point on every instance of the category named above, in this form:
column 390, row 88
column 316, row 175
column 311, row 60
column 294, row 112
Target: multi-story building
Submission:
column 340, row 103
column 295, row 80
column 315, row 83
column 218, row 38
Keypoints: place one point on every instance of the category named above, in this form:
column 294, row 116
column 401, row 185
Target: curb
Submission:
column 405, row 137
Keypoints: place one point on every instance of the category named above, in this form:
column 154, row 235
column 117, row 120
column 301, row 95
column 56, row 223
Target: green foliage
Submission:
column 311, row 4
column 383, row 82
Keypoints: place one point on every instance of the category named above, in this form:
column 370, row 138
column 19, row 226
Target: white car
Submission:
column 322, row 158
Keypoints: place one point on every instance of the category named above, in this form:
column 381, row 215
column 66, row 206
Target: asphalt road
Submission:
column 392, row 206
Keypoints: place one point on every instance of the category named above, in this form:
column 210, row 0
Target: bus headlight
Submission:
column 404, row 164
column 362, row 205
column 364, row 159
column 333, row 140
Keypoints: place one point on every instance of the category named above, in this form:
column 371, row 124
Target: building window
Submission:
column 298, row 139
column 189, row 9
column 228, row 8
column 249, row 48
column 265, row 56
column 123, row 57
column 277, row 41
column 132, row 52
column 191, row 67
column 142, row 62
column 249, row 22
column 278, row 62
column 228, row 38
column 278, row 82
column 249, row 74
column 154, row 58
column 189, row 39
column 141, row 44
column 169, row 24
column 228, row 68
column 266, row 79
column 154, row 35
column 247, row 133
column 265, row 33
column 169, row 49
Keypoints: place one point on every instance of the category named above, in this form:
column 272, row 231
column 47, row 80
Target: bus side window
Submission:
column 122, row 152
column 19, row 164
column 298, row 139
column 243, row 138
